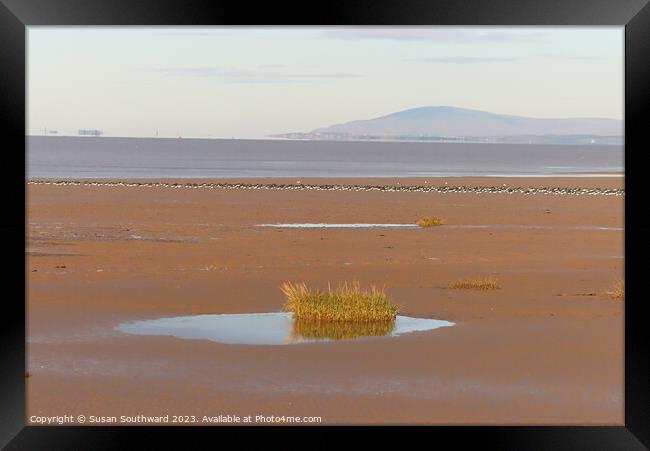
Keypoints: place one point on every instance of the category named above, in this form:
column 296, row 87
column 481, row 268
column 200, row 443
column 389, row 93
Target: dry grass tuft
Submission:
column 429, row 221
column 346, row 302
column 618, row 291
column 476, row 283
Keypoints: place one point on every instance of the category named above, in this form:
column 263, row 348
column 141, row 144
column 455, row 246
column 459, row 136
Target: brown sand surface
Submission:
column 546, row 348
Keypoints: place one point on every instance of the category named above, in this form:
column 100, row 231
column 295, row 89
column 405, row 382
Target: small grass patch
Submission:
column 346, row 302
column 618, row 291
column 475, row 283
column 429, row 221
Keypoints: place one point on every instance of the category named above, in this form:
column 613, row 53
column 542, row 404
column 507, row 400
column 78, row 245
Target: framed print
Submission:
column 376, row 214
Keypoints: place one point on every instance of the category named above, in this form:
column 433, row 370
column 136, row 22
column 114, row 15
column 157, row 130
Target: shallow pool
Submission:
column 446, row 226
column 276, row 328
column 337, row 226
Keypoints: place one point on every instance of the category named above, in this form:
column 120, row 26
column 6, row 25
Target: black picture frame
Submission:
column 16, row 15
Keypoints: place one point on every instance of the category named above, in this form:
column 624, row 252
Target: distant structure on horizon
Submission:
column 89, row 132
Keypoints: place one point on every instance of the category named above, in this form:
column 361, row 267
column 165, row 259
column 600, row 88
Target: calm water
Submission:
column 275, row 328
column 104, row 157
column 321, row 225
column 443, row 227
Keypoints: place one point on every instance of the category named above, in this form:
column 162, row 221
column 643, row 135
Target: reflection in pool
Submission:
column 337, row 330
column 272, row 328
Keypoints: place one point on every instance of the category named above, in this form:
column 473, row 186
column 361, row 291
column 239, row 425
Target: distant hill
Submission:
column 450, row 123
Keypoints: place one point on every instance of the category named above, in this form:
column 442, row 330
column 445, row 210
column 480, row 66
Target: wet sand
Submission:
column 547, row 348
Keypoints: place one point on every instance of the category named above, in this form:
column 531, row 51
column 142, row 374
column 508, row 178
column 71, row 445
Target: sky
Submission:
column 250, row 82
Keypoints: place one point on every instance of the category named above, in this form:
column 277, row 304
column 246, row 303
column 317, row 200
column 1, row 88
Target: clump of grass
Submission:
column 340, row 330
column 476, row 283
column 429, row 221
column 346, row 302
column 618, row 291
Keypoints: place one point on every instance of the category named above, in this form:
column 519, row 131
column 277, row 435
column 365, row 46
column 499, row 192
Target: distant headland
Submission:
column 451, row 124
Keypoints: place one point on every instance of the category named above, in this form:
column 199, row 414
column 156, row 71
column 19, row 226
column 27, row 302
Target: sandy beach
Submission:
column 546, row 348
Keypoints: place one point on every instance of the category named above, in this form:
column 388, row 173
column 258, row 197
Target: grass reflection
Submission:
column 339, row 330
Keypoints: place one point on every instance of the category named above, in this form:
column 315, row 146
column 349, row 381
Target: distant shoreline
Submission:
column 280, row 179
column 348, row 140
column 477, row 185
column 550, row 140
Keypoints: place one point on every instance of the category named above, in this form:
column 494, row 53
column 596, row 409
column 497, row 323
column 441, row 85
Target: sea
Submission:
column 65, row 158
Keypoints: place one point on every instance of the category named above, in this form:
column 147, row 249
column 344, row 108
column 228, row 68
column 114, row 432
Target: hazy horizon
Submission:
column 251, row 82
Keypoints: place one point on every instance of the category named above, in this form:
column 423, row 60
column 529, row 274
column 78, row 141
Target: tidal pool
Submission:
column 276, row 328
column 337, row 226
column 446, row 226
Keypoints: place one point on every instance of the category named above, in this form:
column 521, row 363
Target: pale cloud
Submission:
column 271, row 66
column 433, row 34
column 214, row 33
column 460, row 59
column 464, row 59
column 235, row 75
column 557, row 57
